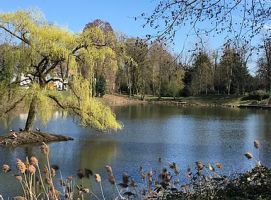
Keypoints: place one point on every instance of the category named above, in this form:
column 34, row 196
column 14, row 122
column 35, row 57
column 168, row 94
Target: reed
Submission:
column 201, row 179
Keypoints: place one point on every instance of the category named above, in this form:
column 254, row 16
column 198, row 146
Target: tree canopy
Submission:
column 39, row 53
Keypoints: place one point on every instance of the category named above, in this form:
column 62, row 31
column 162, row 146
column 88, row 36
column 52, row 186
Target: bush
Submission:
column 258, row 95
column 186, row 92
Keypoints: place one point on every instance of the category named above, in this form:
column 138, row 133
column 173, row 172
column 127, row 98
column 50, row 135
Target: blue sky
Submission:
column 119, row 13
column 75, row 14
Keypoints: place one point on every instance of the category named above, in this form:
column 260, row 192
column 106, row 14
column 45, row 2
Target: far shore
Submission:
column 210, row 101
column 114, row 100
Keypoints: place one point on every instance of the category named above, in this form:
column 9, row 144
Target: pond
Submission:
column 180, row 134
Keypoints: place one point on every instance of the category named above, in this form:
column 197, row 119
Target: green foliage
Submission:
column 100, row 86
column 202, row 77
column 149, row 69
column 258, row 95
column 233, row 71
column 43, row 51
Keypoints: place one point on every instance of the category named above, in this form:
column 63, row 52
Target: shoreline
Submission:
column 115, row 100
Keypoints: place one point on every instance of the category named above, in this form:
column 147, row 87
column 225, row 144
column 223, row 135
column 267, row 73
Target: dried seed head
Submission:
column 34, row 161
column 109, row 169
column 97, row 178
column 53, row 172
column 199, row 165
column 44, row 148
column 20, row 166
column 45, row 169
column 249, row 155
column 6, row 168
column 48, row 181
column 111, row 179
column 19, row 178
column 31, row 169
column 85, row 190
column 219, row 165
column 125, row 178
column 172, row 165
column 150, row 174
column 256, row 144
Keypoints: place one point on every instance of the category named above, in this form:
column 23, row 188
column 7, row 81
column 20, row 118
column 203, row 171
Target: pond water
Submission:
column 180, row 134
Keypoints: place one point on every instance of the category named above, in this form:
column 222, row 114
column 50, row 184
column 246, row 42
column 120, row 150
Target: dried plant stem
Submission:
column 50, row 176
column 23, row 188
column 30, row 186
column 61, row 178
column 28, row 191
column 34, row 185
column 118, row 191
column 27, row 187
column 102, row 190
column 42, row 184
column 94, row 195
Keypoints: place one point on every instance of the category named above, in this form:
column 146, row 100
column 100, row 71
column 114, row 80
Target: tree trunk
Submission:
column 31, row 114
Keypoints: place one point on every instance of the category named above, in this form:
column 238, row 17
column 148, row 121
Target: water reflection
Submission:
column 180, row 134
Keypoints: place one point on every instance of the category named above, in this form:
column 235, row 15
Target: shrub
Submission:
column 258, row 95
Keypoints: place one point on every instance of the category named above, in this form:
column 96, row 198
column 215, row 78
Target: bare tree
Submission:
column 242, row 18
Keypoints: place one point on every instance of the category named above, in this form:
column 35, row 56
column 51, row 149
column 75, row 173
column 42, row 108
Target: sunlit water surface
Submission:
column 180, row 134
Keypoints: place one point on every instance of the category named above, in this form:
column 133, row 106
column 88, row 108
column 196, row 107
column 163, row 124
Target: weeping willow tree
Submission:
column 36, row 53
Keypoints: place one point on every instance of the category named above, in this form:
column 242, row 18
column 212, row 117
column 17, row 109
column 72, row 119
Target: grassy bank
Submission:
column 120, row 100
column 212, row 100
column 201, row 100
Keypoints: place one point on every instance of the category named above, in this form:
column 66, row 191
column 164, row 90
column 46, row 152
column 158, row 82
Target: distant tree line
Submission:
column 152, row 69
column 135, row 66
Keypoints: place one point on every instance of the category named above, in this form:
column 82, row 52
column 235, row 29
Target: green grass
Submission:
column 210, row 100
